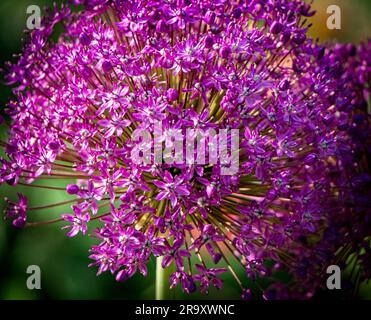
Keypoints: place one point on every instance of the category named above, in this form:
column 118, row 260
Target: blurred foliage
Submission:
column 64, row 261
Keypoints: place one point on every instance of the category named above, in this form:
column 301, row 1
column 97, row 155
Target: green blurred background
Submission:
column 64, row 261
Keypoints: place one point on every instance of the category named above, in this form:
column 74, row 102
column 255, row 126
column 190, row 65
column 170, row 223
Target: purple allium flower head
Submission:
column 123, row 70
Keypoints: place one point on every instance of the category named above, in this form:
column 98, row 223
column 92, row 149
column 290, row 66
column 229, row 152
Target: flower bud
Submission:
column 106, row 66
column 172, row 94
column 85, row 39
column 72, row 189
column 209, row 41
column 210, row 17
column 224, row 52
column 275, row 28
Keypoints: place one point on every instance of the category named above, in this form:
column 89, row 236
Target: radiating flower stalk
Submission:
column 300, row 199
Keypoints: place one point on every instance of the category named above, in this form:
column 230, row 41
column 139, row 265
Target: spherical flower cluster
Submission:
column 299, row 199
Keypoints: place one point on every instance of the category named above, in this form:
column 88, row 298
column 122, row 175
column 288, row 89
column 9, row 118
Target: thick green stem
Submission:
column 163, row 291
column 162, row 275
